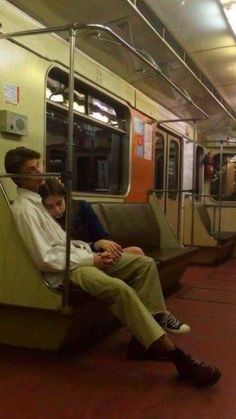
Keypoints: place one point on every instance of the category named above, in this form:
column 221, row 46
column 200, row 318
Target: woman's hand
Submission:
column 109, row 246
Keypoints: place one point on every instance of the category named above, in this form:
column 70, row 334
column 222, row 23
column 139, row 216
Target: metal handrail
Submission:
column 77, row 27
column 31, row 175
column 170, row 190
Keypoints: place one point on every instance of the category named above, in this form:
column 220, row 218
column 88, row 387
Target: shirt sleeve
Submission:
column 48, row 255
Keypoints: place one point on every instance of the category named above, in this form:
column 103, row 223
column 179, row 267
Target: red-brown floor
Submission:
column 101, row 384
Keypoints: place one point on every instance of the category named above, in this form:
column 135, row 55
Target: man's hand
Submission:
column 103, row 260
column 109, row 246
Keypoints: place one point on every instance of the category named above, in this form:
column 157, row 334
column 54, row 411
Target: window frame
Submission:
column 121, row 185
column 215, row 195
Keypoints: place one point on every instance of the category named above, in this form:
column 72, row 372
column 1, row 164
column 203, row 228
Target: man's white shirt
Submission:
column 44, row 238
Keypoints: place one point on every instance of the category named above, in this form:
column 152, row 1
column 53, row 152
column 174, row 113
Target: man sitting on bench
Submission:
column 128, row 283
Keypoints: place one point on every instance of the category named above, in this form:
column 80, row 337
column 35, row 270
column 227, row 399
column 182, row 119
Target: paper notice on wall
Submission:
column 143, row 139
column 148, row 141
column 11, row 93
column 139, row 137
column 187, row 169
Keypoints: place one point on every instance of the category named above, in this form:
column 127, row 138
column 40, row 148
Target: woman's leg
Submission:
column 134, row 250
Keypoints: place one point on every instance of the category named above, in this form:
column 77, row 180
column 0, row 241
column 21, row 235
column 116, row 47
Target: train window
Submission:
column 100, row 143
column 103, row 112
column 173, row 169
column 159, row 164
column 228, row 176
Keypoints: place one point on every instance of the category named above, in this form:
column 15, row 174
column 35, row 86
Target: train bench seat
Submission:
column 32, row 313
column 213, row 247
column 145, row 225
column 224, row 236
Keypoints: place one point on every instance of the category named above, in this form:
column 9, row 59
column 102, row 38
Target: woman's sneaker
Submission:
column 192, row 369
column 169, row 323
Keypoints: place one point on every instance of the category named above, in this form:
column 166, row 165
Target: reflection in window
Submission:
column 85, row 100
column 173, row 169
column 102, row 111
column 100, row 142
column 79, row 103
column 228, row 175
column 159, row 164
column 59, row 93
column 97, row 153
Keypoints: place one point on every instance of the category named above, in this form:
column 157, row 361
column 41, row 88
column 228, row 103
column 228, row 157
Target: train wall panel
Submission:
column 159, row 113
column 53, row 48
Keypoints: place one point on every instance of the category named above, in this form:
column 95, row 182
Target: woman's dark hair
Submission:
column 16, row 158
column 51, row 186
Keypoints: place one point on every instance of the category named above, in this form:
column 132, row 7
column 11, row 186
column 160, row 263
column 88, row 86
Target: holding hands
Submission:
column 104, row 260
column 110, row 246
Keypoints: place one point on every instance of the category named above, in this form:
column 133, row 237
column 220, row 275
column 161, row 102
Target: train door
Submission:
column 167, row 176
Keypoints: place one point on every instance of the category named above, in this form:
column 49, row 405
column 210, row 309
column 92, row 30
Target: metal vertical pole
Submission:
column 193, row 181
column 69, row 167
column 220, row 188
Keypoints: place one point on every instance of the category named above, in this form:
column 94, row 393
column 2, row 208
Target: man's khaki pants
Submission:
column 131, row 288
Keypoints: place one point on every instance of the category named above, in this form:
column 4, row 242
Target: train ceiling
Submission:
column 188, row 41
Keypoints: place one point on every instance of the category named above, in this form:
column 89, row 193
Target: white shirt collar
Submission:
column 34, row 196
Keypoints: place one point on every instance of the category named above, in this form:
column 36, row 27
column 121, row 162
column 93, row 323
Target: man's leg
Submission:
column 141, row 274
column 127, row 306
column 123, row 301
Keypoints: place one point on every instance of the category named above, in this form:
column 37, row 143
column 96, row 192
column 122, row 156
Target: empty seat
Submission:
column 134, row 224
column 212, row 249
column 222, row 236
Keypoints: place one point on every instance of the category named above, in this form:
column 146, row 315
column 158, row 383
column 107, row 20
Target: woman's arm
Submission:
column 92, row 222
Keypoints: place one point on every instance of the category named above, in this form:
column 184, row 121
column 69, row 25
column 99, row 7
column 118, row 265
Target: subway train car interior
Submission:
column 118, row 287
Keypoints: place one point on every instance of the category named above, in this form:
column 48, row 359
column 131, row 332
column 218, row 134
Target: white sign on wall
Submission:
column 188, row 165
column 11, row 93
column 148, row 141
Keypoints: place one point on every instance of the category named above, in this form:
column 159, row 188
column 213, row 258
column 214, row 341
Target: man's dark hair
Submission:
column 16, row 158
column 50, row 187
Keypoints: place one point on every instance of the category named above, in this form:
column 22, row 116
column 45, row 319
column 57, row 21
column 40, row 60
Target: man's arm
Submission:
column 48, row 255
column 103, row 260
